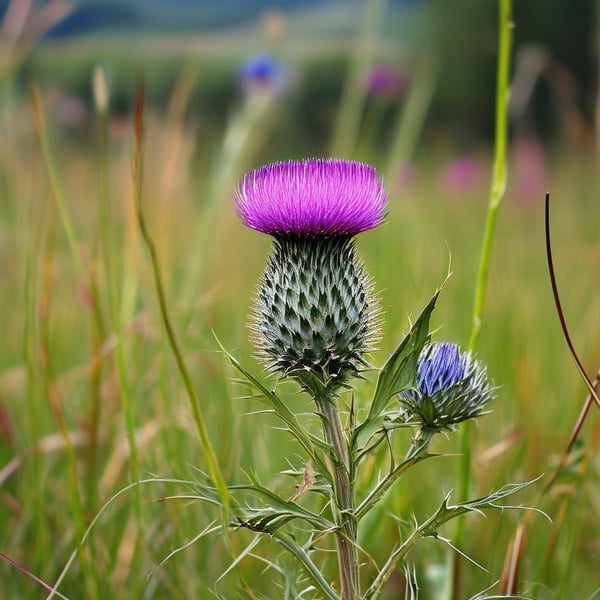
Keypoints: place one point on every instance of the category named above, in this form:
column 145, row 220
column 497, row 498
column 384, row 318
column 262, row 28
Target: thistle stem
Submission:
column 343, row 481
column 416, row 453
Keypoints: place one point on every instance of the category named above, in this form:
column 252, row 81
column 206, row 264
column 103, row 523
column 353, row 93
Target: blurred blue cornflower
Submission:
column 264, row 73
column 451, row 387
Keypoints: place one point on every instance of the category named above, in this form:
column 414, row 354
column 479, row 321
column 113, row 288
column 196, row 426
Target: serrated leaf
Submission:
column 399, row 372
column 313, row 571
column 282, row 507
column 445, row 513
column 366, row 431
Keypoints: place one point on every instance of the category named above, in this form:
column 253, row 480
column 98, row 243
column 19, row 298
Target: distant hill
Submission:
column 172, row 16
column 168, row 15
column 178, row 15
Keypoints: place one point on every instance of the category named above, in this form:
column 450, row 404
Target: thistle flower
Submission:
column 312, row 198
column 315, row 315
column 451, row 387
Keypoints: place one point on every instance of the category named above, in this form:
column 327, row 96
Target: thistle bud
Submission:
column 451, row 387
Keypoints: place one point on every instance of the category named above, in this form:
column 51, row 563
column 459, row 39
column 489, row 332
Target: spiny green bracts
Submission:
column 315, row 315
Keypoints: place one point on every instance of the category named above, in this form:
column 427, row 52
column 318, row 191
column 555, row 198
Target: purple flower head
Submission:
column 385, row 83
column 263, row 72
column 315, row 197
column 440, row 367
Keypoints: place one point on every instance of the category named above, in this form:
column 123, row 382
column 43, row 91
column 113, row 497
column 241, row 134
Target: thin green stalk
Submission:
column 413, row 456
column 105, row 212
column 31, row 345
column 91, row 578
column 499, row 177
column 213, row 465
column 390, row 566
column 110, row 274
column 411, row 119
column 498, row 188
column 347, row 550
column 86, row 273
column 240, row 140
column 106, row 248
column 55, row 184
column 90, row 575
column 94, row 418
column 353, row 95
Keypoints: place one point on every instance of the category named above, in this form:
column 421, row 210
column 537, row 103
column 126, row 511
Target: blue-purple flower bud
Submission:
column 451, row 387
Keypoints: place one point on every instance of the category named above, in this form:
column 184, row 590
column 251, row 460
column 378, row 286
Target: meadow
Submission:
column 92, row 399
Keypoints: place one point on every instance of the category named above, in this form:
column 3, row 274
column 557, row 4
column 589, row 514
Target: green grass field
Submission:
column 91, row 398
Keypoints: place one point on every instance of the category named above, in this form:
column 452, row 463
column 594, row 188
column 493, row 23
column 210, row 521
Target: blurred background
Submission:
column 90, row 397
column 59, row 43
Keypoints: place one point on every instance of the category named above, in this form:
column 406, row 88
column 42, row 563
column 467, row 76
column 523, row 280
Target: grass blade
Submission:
column 498, row 188
column 209, row 453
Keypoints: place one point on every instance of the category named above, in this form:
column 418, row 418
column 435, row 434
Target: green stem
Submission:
column 391, row 564
column 107, row 225
column 31, row 350
column 409, row 124
column 353, row 96
column 497, row 191
column 211, row 458
column 48, row 375
column 416, row 453
column 55, row 184
column 344, row 497
column 500, row 168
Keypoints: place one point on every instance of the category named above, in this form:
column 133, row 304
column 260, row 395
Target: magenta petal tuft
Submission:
column 315, row 197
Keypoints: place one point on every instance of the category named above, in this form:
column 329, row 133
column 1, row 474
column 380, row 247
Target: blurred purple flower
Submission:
column 385, row 83
column 312, row 197
column 462, row 174
column 530, row 171
column 406, row 175
column 264, row 73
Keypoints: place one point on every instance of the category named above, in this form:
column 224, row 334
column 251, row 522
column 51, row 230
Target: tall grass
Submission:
column 497, row 191
column 92, row 400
